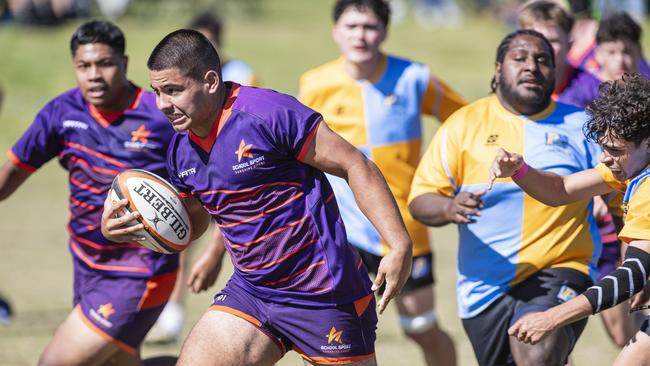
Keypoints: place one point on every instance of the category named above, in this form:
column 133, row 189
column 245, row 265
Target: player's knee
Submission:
column 418, row 324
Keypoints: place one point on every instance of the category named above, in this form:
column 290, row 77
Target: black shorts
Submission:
column 421, row 270
column 549, row 287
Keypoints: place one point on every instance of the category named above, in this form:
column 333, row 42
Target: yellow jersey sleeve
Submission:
column 435, row 173
column 637, row 218
column 440, row 100
column 609, row 178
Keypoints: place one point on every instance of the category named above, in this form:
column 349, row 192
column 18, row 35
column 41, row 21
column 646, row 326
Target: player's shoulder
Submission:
column 268, row 104
column 329, row 72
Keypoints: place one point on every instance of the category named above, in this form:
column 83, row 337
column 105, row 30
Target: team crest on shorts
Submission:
column 102, row 314
column 334, row 342
column 566, row 293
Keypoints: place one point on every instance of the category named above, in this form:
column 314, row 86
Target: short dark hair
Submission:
column 546, row 11
column 209, row 22
column 622, row 110
column 505, row 45
column 379, row 7
column 98, row 31
column 186, row 50
column 618, row 27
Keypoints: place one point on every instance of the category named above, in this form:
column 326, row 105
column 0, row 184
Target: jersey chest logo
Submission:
column 245, row 152
column 139, row 139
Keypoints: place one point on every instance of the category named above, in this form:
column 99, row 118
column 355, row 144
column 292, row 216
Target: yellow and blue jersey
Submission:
column 515, row 235
column 636, row 203
column 381, row 116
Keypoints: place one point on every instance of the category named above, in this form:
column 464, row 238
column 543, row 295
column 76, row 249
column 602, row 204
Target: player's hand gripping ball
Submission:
column 166, row 220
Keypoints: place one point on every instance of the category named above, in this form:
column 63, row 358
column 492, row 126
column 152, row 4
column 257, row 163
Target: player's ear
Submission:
column 212, row 81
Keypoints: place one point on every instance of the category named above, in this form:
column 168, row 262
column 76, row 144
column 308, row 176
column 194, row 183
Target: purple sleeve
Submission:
column 40, row 142
column 293, row 128
column 582, row 91
column 172, row 171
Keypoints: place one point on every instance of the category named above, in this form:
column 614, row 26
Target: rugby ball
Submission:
column 166, row 220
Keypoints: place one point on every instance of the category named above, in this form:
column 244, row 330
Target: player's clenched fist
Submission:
column 505, row 164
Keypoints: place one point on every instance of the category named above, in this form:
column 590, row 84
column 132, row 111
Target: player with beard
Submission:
column 516, row 256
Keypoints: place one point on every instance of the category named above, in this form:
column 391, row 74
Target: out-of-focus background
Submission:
column 280, row 39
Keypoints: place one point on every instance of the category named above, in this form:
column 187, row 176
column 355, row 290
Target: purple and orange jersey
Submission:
column 94, row 147
column 279, row 216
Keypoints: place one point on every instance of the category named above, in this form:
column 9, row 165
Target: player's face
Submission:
column 526, row 77
column 616, row 58
column 183, row 99
column 101, row 75
column 359, row 33
column 558, row 39
column 624, row 158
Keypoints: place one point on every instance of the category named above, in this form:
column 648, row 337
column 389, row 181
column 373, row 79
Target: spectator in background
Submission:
column 47, row 12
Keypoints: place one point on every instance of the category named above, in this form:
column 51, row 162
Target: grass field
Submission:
column 287, row 39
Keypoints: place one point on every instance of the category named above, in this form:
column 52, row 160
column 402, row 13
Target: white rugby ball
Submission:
column 166, row 220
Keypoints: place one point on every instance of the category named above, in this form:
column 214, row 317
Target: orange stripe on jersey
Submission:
column 332, row 360
column 76, row 202
column 206, row 142
column 104, row 267
column 329, row 198
column 293, row 198
column 292, row 224
column 308, row 141
column 17, row 162
column 159, row 289
column 74, row 145
column 95, row 168
column 85, row 186
column 281, row 259
column 97, row 246
column 95, row 329
column 319, row 263
column 362, row 304
column 253, row 190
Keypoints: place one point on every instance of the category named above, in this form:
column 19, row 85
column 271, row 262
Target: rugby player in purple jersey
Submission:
column 255, row 159
column 96, row 130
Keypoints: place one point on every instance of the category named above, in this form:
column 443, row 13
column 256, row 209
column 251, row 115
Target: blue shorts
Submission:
column 120, row 309
column 324, row 335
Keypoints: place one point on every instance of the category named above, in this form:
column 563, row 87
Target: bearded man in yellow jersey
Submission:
column 375, row 101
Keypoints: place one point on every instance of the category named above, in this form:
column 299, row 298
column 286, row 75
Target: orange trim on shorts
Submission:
column 121, row 345
column 19, row 163
column 361, row 304
column 159, row 289
column 332, row 360
column 250, row 319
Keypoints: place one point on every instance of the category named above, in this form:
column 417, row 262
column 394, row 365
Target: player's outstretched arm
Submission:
column 206, row 268
column 433, row 209
column 547, row 187
column 330, row 153
column 11, row 177
column 620, row 285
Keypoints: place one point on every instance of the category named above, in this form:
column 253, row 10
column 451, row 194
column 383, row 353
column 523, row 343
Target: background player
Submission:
column 619, row 122
column 103, row 126
column 375, row 101
column 258, row 158
column 515, row 256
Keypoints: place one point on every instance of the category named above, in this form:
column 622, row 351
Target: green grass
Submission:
column 286, row 40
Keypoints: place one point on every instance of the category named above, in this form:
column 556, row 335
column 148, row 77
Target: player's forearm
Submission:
column 11, row 177
column 378, row 204
column 430, row 209
column 546, row 187
column 569, row 312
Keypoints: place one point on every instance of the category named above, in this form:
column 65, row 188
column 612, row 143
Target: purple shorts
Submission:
column 324, row 335
column 120, row 309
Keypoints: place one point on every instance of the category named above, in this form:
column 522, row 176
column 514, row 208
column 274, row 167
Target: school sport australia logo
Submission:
column 245, row 151
column 335, row 342
column 102, row 314
column 139, row 140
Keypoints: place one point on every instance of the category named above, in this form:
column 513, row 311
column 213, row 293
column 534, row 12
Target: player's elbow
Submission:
column 426, row 211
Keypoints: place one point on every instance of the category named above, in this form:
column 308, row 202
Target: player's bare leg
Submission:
column 74, row 343
column 416, row 308
column 636, row 352
column 618, row 324
column 221, row 338
column 550, row 351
